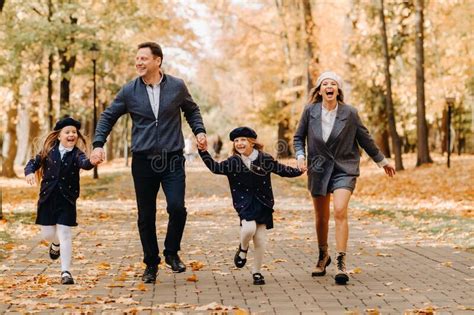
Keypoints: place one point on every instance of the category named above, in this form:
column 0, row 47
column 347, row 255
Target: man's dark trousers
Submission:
column 149, row 172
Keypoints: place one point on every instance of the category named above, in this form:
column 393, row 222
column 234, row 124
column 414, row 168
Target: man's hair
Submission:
column 155, row 49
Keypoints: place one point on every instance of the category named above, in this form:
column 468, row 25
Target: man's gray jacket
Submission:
column 151, row 135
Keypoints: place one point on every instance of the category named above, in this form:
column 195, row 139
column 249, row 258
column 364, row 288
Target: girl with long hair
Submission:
column 57, row 166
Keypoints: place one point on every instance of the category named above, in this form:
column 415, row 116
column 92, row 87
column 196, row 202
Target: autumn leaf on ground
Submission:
column 9, row 246
column 104, row 216
column 383, row 255
column 278, row 260
column 196, row 265
column 41, row 279
column 214, row 307
column 141, row 287
column 356, row 270
column 44, row 243
column 240, row 311
column 193, row 278
column 425, row 311
column 126, row 301
column 372, row 311
column 447, row 264
column 104, row 266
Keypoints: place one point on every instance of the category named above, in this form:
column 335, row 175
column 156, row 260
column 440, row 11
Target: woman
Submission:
column 333, row 132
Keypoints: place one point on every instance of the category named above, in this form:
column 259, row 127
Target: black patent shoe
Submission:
column 53, row 254
column 258, row 279
column 66, row 278
column 149, row 276
column 174, row 262
column 239, row 261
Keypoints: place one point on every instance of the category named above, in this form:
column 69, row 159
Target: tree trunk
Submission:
column 283, row 146
column 12, row 119
column 311, row 47
column 34, row 130
column 50, row 73
column 381, row 139
column 50, row 93
column 110, row 147
column 67, row 62
column 396, row 144
column 423, row 155
column 444, row 134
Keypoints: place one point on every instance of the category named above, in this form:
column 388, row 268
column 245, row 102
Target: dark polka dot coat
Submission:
column 60, row 176
column 249, row 183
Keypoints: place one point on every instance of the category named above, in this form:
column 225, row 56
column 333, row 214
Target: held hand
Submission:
column 389, row 170
column 97, row 156
column 301, row 164
column 201, row 141
column 30, row 179
column 94, row 160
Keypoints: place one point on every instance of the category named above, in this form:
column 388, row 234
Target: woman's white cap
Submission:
column 329, row 75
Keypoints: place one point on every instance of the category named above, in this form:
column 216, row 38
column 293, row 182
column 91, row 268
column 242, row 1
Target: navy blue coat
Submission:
column 246, row 184
column 60, row 176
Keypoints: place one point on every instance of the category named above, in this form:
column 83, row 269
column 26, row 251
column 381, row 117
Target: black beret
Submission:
column 67, row 121
column 242, row 132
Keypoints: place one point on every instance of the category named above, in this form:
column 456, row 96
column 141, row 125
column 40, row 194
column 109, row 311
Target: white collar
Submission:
column 63, row 149
column 157, row 84
column 252, row 157
column 332, row 110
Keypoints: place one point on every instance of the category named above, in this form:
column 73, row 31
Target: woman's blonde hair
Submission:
column 257, row 145
column 49, row 143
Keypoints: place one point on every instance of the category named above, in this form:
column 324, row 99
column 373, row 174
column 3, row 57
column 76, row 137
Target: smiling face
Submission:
column 329, row 90
column 146, row 63
column 68, row 136
column 243, row 146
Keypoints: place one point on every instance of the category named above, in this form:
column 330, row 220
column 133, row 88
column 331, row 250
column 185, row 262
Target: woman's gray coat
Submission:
column 340, row 152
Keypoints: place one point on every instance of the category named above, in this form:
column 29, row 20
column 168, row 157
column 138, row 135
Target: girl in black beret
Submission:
column 57, row 166
column 248, row 171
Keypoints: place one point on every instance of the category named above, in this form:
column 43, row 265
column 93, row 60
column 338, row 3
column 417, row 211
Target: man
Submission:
column 155, row 100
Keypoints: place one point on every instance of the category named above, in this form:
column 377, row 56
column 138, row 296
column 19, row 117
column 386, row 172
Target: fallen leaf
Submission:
column 356, row 270
column 193, row 278
column 41, row 279
column 380, row 294
column 278, row 260
column 126, row 301
column 9, row 246
column 104, row 266
column 383, row 255
column 196, row 265
column 142, row 287
column 447, row 264
column 372, row 311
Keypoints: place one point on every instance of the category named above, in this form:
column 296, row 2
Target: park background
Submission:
column 407, row 66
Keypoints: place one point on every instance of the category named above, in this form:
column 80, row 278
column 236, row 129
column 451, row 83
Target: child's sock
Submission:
column 259, row 241
column 247, row 232
column 55, row 247
column 65, row 238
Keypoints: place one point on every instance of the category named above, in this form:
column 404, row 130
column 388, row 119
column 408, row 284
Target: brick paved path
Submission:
column 393, row 270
